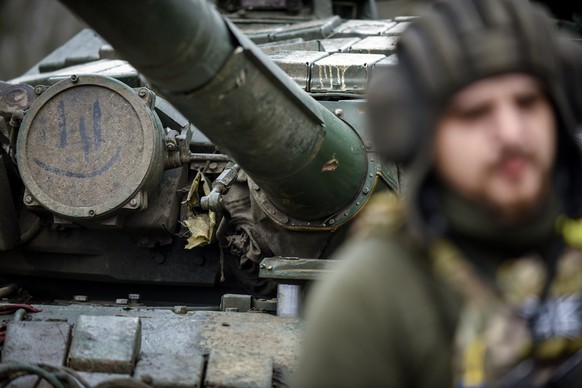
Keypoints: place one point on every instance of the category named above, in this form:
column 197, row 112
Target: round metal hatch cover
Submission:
column 86, row 146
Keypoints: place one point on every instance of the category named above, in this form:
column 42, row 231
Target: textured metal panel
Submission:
column 314, row 29
column 105, row 344
column 165, row 332
column 397, row 29
column 36, row 342
column 337, row 45
column 83, row 47
column 170, row 370
column 256, row 333
column 375, row 45
column 297, row 64
column 239, row 369
column 291, row 45
column 117, row 69
column 388, row 61
column 342, row 72
column 362, row 28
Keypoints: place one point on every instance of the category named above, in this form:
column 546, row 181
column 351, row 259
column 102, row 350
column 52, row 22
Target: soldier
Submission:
column 476, row 279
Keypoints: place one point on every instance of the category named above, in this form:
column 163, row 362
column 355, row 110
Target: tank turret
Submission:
column 169, row 158
column 113, row 157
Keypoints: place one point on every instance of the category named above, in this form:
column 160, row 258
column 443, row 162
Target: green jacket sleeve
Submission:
column 375, row 322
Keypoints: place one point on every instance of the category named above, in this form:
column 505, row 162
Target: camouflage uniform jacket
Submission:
column 400, row 313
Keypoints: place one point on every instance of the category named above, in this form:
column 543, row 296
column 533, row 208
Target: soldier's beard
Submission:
column 515, row 187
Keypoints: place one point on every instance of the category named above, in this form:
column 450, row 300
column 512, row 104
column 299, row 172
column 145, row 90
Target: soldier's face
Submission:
column 496, row 144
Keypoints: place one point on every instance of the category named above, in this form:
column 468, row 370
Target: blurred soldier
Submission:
column 476, row 280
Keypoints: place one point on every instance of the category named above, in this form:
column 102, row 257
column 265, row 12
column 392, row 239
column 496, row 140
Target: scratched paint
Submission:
column 330, row 165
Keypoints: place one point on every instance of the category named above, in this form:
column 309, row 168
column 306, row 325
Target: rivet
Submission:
column 332, row 221
column 142, row 92
column 366, row 190
column 338, row 112
column 133, row 202
column 74, row 78
column 92, row 213
column 38, row 90
column 28, row 199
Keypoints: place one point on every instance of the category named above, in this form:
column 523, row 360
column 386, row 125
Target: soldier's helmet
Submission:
column 454, row 43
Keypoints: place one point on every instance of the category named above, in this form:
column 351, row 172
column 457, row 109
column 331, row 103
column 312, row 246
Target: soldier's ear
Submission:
column 391, row 115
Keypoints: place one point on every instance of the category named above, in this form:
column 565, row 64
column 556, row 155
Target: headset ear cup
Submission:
column 391, row 110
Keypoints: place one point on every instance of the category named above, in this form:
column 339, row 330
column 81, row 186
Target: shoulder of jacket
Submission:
column 382, row 216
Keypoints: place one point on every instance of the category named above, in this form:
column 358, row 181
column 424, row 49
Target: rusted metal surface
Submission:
column 105, row 344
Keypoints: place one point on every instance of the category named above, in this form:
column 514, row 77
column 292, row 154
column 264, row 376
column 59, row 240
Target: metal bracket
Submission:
column 213, row 201
column 288, row 269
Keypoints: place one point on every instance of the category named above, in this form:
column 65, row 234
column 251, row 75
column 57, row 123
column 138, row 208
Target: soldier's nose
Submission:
column 509, row 124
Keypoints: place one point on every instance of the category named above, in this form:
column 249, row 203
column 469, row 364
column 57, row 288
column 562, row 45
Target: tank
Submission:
column 168, row 163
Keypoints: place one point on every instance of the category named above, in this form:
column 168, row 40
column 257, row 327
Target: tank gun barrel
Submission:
column 308, row 162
